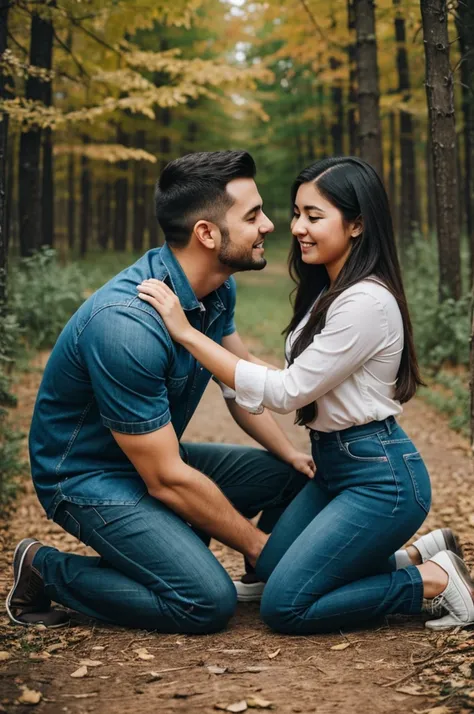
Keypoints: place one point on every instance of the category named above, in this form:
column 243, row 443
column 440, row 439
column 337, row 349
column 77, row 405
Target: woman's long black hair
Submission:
column 352, row 186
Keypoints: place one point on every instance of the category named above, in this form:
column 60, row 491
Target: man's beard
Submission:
column 238, row 258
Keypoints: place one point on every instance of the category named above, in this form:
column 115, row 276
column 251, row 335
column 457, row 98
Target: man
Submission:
column 116, row 396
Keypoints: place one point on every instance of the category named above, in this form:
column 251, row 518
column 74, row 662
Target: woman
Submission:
column 351, row 364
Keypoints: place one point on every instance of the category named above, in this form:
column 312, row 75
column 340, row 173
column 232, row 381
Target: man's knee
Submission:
column 215, row 605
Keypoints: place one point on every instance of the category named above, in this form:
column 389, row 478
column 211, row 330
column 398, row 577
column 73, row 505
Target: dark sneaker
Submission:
column 27, row 602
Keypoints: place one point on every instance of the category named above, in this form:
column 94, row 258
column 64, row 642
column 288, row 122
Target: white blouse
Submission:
column 350, row 368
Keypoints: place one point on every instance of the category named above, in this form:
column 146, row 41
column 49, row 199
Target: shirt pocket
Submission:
column 176, row 385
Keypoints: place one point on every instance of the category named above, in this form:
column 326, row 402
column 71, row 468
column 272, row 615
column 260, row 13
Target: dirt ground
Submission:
column 397, row 666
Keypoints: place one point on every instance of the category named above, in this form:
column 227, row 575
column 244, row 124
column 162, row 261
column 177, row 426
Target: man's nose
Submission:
column 268, row 226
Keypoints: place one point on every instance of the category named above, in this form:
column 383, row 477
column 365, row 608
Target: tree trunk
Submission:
column 440, row 97
column 337, row 123
column 370, row 136
column 465, row 26
column 104, row 223
column 139, row 215
column 351, row 55
column 30, row 142
column 121, row 199
column 47, row 198
column 430, row 189
column 71, row 203
column 392, row 172
column 322, row 127
column 85, row 222
column 4, row 6
column 472, row 375
column 409, row 216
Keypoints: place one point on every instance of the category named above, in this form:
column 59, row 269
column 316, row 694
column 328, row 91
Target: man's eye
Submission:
column 251, row 220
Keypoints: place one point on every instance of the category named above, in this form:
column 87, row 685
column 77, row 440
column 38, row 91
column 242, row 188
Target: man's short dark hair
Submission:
column 193, row 188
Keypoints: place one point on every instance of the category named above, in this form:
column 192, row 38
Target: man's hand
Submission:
column 302, row 462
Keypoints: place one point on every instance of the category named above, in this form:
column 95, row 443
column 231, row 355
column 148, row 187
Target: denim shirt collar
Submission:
column 180, row 282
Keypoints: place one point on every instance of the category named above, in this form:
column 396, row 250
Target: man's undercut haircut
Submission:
column 193, row 188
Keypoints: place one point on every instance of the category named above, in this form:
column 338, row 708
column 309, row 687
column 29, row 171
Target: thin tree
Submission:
column 30, row 140
column 465, row 26
column 352, row 98
column 4, row 6
column 440, row 97
column 47, row 197
column 409, row 217
column 368, row 94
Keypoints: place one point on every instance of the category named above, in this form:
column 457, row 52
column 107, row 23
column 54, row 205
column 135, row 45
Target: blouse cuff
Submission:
column 250, row 385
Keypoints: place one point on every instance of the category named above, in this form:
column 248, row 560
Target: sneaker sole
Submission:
column 11, row 616
column 452, row 542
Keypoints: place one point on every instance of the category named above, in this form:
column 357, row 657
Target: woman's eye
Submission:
column 313, row 219
column 296, row 215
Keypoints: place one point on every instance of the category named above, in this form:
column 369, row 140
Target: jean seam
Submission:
column 393, row 474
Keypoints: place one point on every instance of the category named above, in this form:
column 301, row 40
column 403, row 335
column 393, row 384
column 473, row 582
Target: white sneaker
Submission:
column 436, row 541
column 249, row 592
column 458, row 596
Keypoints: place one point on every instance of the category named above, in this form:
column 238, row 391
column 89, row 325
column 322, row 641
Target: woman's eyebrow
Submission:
column 310, row 208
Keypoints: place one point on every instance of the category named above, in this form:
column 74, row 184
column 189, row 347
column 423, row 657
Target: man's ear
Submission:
column 207, row 233
column 357, row 228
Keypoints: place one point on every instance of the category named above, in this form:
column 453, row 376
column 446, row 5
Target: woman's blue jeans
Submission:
column 329, row 561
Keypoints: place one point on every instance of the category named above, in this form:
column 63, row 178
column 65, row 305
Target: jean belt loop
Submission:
column 388, row 424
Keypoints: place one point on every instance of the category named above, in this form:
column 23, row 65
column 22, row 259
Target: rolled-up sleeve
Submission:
column 126, row 352
column 356, row 329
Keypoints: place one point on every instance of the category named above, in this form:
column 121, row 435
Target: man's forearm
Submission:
column 264, row 429
column 198, row 500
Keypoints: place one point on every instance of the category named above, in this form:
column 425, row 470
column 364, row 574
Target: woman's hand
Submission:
column 167, row 304
column 302, row 462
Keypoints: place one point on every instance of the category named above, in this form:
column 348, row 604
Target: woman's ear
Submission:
column 357, row 228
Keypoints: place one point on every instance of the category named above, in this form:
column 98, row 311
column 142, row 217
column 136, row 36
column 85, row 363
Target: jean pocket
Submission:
column 67, row 521
column 367, row 449
column 420, row 479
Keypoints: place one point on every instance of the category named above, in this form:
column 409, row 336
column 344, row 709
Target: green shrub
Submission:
column 43, row 296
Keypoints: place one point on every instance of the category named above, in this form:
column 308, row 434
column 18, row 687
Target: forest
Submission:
column 96, row 97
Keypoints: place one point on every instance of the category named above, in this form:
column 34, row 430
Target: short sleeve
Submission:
column 229, row 326
column 126, row 351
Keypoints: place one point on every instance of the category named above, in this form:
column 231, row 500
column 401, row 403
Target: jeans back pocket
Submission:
column 420, row 479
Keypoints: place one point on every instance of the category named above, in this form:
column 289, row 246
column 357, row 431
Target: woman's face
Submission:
column 323, row 235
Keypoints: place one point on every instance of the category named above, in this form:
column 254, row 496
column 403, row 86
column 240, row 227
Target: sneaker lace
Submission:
column 34, row 591
column 435, row 606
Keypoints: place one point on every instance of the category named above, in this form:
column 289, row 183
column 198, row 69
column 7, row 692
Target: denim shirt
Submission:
column 115, row 367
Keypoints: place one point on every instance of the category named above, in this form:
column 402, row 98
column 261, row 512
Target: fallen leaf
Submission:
column 57, row 646
column 259, row 703
column 154, row 676
column 237, row 707
column 82, row 696
column 465, row 669
column 438, row 710
column 341, row 646
column 30, row 696
column 256, row 669
column 213, row 669
column 90, row 662
column 414, row 689
column 40, row 655
column 143, row 653
column 81, row 672
column 272, row 655
column 4, row 656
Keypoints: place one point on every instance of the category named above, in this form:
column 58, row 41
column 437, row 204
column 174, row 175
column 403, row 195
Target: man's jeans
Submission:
column 154, row 571
column 328, row 561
